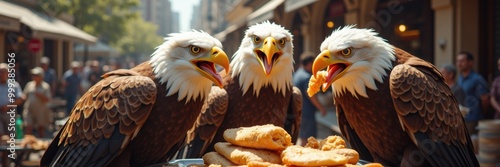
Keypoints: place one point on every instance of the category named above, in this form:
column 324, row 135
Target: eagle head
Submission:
column 265, row 57
column 186, row 61
column 354, row 59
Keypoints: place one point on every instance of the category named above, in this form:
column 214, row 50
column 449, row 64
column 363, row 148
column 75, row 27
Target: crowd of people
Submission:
column 34, row 99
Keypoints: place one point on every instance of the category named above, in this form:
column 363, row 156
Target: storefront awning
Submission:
column 264, row 13
column 99, row 49
column 45, row 26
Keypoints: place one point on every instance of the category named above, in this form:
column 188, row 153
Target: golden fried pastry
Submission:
column 263, row 164
column 373, row 165
column 242, row 156
column 31, row 141
column 316, row 83
column 365, row 165
column 215, row 165
column 264, row 137
column 312, row 143
column 301, row 156
column 352, row 155
column 214, row 158
column 331, row 142
column 203, row 165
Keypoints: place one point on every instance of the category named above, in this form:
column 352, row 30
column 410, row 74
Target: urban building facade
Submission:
column 30, row 34
column 159, row 12
column 434, row 30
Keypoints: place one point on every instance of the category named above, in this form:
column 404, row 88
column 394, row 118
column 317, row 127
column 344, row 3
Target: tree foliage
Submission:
column 114, row 22
column 141, row 38
column 105, row 19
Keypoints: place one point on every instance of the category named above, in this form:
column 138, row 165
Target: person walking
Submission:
column 72, row 86
column 5, row 98
column 476, row 91
column 449, row 72
column 309, row 104
column 36, row 112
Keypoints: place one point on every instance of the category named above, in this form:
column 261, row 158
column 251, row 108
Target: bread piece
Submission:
column 365, row 165
column 242, row 156
column 215, row 165
column 263, row 137
column 312, row 143
column 214, row 158
column 301, row 156
column 352, row 155
column 263, row 164
column 316, row 83
column 332, row 142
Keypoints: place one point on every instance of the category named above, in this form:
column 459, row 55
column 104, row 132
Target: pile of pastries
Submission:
column 269, row 145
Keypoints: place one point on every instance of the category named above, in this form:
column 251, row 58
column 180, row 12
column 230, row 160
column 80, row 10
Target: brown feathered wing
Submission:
column 429, row 113
column 294, row 115
column 105, row 119
column 207, row 124
column 350, row 134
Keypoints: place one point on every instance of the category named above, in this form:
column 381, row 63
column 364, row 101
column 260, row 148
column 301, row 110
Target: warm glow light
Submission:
column 20, row 39
column 402, row 28
column 330, row 24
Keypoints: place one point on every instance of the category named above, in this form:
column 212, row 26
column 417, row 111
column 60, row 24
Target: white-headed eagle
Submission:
column 258, row 90
column 392, row 107
column 140, row 116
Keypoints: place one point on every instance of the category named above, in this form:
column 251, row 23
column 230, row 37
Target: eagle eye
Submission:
column 282, row 41
column 346, row 52
column 256, row 39
column 195, row 49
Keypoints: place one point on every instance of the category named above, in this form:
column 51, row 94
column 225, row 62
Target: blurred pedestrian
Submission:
column 495, row 93
column 49, row 75
column 106, row 69
column 95, row 73
column 449, row 72
column 36, row 112
column 309, row 104
column 476, row 91
column 72, row 85
column 84, row 73
column 5, row 98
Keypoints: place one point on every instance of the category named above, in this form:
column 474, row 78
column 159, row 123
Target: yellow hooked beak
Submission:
column 206, row 65
column 268, row 54
column 336, row 68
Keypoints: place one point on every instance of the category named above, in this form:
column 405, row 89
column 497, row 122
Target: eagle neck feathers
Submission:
column 246, row 68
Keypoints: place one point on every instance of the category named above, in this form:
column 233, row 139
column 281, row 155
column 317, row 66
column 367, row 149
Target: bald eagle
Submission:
column 140, row 116
column 257, row 91
column 392, row 107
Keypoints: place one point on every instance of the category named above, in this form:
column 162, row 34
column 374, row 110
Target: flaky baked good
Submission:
column 242, row 155
column 214, row 158
column 312, row 143
column 302, row 156
column 264, row 137
column 332, row 142
column 352, row 155
column 215, row 165
column 263, row 164
column 365, row 165
column 315, row 83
